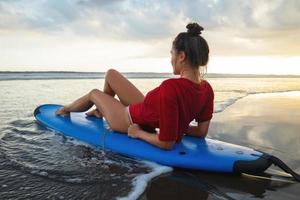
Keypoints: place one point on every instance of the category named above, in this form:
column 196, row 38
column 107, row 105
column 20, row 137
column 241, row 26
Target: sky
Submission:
column 245, row 37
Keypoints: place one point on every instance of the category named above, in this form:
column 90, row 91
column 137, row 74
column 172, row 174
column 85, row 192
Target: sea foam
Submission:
column 140, row 182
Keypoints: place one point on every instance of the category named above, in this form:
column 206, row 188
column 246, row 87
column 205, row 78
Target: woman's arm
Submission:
column 200, row 130
column 135, row 131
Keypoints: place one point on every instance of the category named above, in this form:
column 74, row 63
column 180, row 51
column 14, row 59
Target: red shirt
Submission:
column 172, row 106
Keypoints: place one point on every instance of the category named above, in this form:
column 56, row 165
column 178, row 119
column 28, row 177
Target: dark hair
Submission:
column 193, row 45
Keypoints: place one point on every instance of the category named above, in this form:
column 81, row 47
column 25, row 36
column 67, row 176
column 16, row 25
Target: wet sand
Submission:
column 268, row 122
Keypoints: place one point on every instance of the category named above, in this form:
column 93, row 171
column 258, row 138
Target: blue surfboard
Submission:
column 191, row 152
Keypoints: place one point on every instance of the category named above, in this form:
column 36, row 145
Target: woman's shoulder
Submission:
column 207, row 84
column 169, row 82
column 169, row 86
column 209, row 90
column 175, row 82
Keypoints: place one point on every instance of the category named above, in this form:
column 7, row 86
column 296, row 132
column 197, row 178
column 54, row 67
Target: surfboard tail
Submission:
column 254, row 166
column 261, row 164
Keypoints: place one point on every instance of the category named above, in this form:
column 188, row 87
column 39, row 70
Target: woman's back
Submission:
column 173, row 105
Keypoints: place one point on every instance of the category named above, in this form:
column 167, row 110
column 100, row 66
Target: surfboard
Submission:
column 191, row 153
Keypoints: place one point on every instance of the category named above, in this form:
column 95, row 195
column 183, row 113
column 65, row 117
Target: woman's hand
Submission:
column 133, row 130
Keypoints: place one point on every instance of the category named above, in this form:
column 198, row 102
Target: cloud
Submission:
column 230, row 23
column 151, row 18
column 137, row 20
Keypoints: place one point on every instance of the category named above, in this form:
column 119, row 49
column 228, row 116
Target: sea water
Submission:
column 36, row 163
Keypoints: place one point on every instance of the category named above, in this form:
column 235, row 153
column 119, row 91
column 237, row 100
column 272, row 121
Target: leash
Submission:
column 279, row 163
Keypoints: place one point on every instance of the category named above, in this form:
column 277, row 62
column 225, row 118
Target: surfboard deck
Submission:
column 190, row 153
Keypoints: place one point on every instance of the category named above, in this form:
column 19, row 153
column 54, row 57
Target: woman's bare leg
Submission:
column 116, row 84
column 95, row 113
column 80, row 105
column 113, row 110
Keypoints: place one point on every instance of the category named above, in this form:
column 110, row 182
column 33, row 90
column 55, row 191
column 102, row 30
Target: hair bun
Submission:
column 194, row 29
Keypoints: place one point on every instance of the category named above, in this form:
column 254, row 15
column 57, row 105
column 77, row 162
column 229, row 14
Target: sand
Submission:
column 269, row 122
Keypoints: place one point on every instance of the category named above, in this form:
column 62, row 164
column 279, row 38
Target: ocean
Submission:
column 36, row 163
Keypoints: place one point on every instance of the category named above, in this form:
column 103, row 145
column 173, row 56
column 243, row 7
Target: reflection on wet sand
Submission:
column 269, row 122
column 183, row 184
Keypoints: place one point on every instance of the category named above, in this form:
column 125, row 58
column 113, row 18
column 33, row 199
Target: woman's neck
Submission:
column 191, row 74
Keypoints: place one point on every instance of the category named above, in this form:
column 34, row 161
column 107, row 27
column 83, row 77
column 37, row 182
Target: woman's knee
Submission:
column 94, row 93
column 111, row 72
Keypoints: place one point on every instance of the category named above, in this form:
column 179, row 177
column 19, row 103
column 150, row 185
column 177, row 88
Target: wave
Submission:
column 72, row 162
column 140, row 182
column 220, row 106
column 75, row 75
column 41, row 75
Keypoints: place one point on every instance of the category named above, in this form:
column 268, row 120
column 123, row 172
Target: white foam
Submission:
column 222, row 105
column 287, row 93
column 74, row 180
column 140, row 182
column 39, row 172
column 76, row 142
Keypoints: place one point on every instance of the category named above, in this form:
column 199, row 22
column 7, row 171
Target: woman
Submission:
column 170, row 107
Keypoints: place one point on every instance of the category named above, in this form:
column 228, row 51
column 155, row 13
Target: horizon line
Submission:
column 143, row 72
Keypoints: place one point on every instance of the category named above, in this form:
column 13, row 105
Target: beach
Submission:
column 35, row 163
column 268, row 122
column 54, row 52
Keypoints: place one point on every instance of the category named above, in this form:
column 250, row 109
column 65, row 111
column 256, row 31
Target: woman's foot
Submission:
column 95, row 113
column 62, row 111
